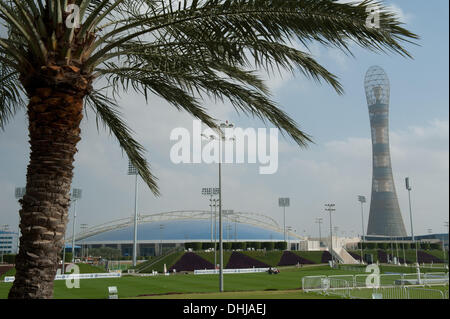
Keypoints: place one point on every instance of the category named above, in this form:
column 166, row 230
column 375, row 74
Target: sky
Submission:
column 335, row 169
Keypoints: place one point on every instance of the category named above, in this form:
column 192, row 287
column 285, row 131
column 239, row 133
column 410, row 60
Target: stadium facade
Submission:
column 385, row 218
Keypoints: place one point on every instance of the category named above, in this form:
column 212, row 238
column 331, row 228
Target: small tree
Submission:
column 436, row 246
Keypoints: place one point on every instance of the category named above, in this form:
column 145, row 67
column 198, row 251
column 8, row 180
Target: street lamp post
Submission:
column 362, row 200
column 320, row 221
column 408, row 187
column 76, row 195
column 161, row 228
column 215, row 231
column 133, row 171
column 331, row 208
column 83, row 227
column 284, row 202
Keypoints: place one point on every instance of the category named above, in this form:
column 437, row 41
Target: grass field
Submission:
column 169, row 261
column 279, row 294
column 285, row 285
column 209, row 256
column 129, row 287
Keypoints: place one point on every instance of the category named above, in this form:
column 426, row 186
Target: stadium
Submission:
column 161, row 231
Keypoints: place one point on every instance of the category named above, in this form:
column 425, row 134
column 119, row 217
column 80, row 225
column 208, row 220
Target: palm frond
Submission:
column 10, row 94
column 108, row 114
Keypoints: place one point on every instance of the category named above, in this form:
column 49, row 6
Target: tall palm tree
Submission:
column 53, row 54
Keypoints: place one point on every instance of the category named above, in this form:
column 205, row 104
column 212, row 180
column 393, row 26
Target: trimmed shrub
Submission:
column 227, row 246
column 239, row 245
column 282, row 245
column 268, row 245
column 254, row 244
column 197, row 246
column 207, row 245
column 436, row 246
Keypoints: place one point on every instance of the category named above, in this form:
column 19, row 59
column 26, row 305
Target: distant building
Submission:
column 385, row 218
column 8, row 243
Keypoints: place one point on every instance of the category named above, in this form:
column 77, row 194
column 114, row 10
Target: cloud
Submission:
column 403, row 16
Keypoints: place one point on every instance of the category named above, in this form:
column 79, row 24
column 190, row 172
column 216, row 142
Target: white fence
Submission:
column 230, row 271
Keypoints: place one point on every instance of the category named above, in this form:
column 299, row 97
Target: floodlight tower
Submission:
column 385, row 217
column 284, row 202
column 76, row 195
column 132, row 170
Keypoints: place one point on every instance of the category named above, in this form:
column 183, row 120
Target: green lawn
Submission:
column 209, row 256
column 279, row 294
column 314, row 256
column 271, row 258
column 169, row 261
column 128, row 286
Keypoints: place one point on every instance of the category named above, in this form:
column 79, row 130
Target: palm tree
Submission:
column 53, row 54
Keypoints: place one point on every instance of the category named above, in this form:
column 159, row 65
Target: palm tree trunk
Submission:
column 54, row 130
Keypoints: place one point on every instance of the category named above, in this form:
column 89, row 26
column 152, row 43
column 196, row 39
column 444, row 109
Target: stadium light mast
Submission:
column 221, row 138
column 319, row 221
column 448, row 243
column 331, row 208
column 216, row 204
column 362, row 200
column 211, row 192
column 133, row 171
column 76, row 195
column 161, row 228
column 284, row 202
column 409, row 188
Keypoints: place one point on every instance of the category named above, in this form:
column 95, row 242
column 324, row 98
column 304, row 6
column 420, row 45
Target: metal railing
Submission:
column 390, row 286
